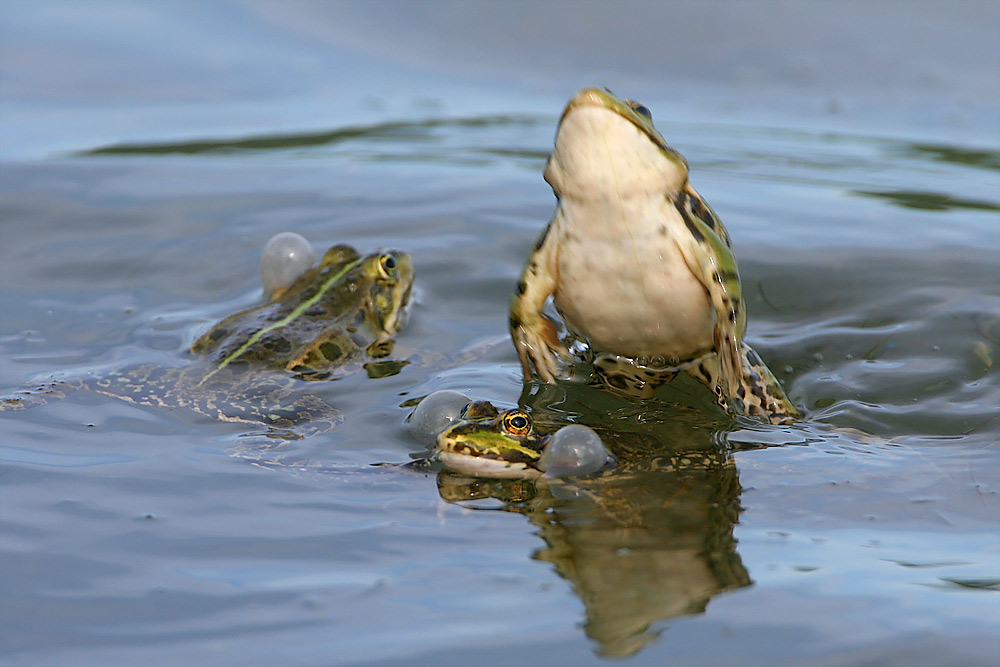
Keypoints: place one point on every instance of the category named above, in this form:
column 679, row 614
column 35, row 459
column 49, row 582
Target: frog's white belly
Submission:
column 624, row 285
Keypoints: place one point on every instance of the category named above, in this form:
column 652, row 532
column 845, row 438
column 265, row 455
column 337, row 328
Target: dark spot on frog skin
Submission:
column 688, row 222
column 618, row 382
column 704, row 372
column 277, row 344
column 521, row 287
column 722, row 277
column 541, row 239
column 756, row 388
column 331, row 350
column 699, row 209
column 695, row 232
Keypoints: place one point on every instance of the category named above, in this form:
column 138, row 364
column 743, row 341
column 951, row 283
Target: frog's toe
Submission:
column 545, row 363
column 534, row 350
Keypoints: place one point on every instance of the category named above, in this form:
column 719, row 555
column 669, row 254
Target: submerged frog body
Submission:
column 639, row 267
column 339, row 315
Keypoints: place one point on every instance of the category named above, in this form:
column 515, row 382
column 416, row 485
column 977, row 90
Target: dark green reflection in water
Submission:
column 929, row 201
column 389, row 132
column 944, row 153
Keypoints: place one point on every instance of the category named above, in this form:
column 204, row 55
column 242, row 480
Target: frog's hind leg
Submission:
column 40, row 394
column 758, row 393
column 286, row 410
column 706, row 370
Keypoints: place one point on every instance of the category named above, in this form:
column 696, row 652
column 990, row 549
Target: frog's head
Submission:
column 484, row 442
column 380, row 282
column 608, row 148
column 388, row 277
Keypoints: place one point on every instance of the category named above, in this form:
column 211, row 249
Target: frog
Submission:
column 337, row 316
column 485, row 442
column 639, row 267
column 645, row 539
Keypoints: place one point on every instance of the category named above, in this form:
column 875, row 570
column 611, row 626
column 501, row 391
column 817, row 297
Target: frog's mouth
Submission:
column 592, row 98
column 485, row 466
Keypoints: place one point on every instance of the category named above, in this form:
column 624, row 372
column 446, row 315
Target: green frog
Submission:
column 340, row 314
column 639, row 267
column 509, row 444
column 648, row 540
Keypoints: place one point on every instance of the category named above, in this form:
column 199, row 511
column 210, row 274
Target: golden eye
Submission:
column 387, row 264
column 516, row 422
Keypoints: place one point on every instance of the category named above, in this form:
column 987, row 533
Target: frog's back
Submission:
column 315, row 311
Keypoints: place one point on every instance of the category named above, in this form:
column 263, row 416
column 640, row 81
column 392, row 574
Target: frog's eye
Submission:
column 516, row 422
column 640, row 109
column 387, row 265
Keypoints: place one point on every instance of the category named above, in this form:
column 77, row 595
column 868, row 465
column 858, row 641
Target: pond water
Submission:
column 147, row 153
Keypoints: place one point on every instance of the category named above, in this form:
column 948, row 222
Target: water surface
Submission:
column 868, row 533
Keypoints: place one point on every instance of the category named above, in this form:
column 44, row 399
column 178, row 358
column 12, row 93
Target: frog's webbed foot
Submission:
column 537, row 343
column 731, row 362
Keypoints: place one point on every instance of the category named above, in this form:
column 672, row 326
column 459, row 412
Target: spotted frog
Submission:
column 341, row 314
column 486, row 442
column 639, row 266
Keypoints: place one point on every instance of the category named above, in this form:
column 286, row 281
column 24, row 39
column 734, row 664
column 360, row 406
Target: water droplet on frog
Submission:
column 286, row 257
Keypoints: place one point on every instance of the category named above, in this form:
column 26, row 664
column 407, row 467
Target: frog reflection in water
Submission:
column 335, row 317
column 645, row 539
column 639, row 267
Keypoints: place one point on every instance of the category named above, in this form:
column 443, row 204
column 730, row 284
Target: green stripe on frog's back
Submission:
column 288, row 319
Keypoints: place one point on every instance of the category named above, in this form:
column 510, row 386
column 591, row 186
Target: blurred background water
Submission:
column 149, row 150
